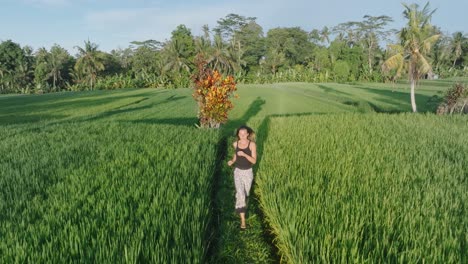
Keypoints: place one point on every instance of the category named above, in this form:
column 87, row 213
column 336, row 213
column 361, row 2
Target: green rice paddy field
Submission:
column 345, row 174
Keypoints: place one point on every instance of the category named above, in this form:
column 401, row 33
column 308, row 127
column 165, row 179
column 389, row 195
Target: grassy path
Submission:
column 230, row 244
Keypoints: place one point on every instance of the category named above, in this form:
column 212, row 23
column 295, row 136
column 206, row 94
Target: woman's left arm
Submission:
column 253, row 148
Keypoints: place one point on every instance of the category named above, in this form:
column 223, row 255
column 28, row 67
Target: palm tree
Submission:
column 57, row 60
column 325, row 35
column 457, row 43
column 416, row 40
column 177, row 61
column 219, row 59
column 235, row 54
column 90, row 62
column 206, row 32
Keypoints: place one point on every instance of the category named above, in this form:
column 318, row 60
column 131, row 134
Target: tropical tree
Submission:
column 416, row 40
column 274, row 59
column 41, row 71
column 176, row 59
column 123, row 57
column 145, row 59
column 89, row 63
column 325, row 35
column 252, row 42
column 373, row 29
column 457, row 42
column 231, row 24
column 60, row 63
column 235, row 54
column 349, row 32
column 292, row 42
column 179, row 55
column 219, row 58
column 16, row 67
column 314, row 36
column 203, row 43
column 25, row 71
column 321, row 59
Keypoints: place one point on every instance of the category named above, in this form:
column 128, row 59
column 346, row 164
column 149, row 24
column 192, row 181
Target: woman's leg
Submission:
column 243, row 184
column 240, row 190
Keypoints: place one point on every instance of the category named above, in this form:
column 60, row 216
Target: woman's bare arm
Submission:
column 233, row 160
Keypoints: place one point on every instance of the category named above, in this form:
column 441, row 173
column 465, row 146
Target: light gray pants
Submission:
column 243, row 181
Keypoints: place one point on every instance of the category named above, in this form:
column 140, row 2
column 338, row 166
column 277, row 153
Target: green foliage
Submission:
column 90, row 177
column 212, row 91
column 237, row 46
column 341, row 70
column 183, row 36
column 416, row 41
column 455, row 100
column 252, row 42
column 144, row 60
column 292, row 42
column 89, row 64
column 232, row 24
column 53, row 69
column 360, row 188
column 16, row 68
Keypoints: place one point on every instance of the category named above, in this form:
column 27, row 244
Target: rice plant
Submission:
column 367, row 188
column 110, row 180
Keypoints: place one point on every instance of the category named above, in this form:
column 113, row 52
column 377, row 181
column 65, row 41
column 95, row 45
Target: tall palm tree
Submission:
column 176, row 61
column 219, row 58
column 416, row 40
column 90, row 62
column 235, row 54
column 206, row 32
column 57, row 60
column 325, row 35
column 202, row 46
column 1, row 79
column 457, row 41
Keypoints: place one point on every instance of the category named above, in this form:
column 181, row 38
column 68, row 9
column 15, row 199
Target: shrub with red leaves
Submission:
column 212, row 92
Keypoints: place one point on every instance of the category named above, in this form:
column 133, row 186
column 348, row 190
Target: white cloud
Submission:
column 150, row 23
column 48, row 2
column 125, row 25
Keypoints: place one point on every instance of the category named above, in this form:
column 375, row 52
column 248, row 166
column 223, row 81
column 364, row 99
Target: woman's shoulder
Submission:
column 234, row 144
column 253, row 144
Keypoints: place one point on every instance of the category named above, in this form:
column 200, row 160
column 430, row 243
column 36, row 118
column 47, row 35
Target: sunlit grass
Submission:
column 124, row 175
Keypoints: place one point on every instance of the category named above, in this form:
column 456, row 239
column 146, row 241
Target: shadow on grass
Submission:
column 127, row 109
column 23, row 114
column 35, row 108
column 27, row 119
column 64, row 100
column 327, row 89
column 254, row 108
column 425, row 103
column 227, row 243
column 176, row 121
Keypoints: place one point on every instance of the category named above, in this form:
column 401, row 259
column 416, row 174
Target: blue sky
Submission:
column 114, row 23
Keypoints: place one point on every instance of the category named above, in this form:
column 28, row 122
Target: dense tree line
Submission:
column 350, row 51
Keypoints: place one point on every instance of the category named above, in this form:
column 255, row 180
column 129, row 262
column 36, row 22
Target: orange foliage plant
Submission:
column 212, row 92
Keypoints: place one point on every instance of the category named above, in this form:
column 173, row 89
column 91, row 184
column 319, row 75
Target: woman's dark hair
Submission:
column 249, row 131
